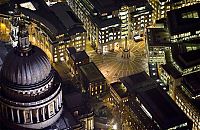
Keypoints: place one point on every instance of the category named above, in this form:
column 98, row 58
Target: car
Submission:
column 137, row 38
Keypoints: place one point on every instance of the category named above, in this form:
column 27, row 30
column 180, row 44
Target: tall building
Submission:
column 53, row 28
column 161, row 7
column 161, row 110
column 109, row 21
column 30, row 89
column 183, row 23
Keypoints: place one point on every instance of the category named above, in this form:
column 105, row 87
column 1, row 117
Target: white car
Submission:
column 137, row 38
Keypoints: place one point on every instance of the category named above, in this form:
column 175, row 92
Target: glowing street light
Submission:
column 114, row 127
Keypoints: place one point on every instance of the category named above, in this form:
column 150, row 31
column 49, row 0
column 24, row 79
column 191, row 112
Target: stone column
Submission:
column 24, row 116
column 43, row 113
column 18, row 117
column 48, row 109
column 37, row 115
column 59, row 101
column 12, row 115
column 31, row 116
column 56, row 101
column 60, row 97
column 53, row 108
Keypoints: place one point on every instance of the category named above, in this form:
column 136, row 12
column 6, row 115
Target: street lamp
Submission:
column 114, row 127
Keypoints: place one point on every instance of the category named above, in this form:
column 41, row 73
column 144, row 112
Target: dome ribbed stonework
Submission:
column 26, row 70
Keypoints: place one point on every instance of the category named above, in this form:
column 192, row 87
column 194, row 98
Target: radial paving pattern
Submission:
column 113, row 66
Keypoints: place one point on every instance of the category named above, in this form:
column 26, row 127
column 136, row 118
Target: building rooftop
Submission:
column 192, row 83
column 137, row 82
column 171, row 70
column 175, row 1
column 57, row 20
column 183, row 20
column 163, row 109
column 188, row 59
column 120, row 89
column 156, row 101
column 71, row 50
column 68, row 18
column 106, row 6
column 77, row 102
column 135, row 2
column 101, row 23
column 158, row 37
column 91, row 72
column 43, row 14
column 79, row 56
column 141, row 3
column 73, row 122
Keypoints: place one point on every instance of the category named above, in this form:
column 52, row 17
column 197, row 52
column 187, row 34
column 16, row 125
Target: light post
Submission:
column 126, row 51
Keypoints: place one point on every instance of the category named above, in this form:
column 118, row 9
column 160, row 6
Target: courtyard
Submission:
column 113, row 66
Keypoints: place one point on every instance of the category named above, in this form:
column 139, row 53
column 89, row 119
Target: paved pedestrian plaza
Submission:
column 113, row 66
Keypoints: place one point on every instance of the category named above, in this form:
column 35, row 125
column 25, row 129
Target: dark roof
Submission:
column 158, row 37
column 137, row 82
column 106, row 6
column 105, row 22
column 188, row 59
column 77, row 102
column 192, row 83
column 58, row 19
column 71, row 50
column 79, row 56
column 175, row 1
column 44, row 15
column 148, row 8
column 73, row 122
column 119, row 89
column 135, row 2
column 91, row 72
column 171, row 70
column 67, row 18
column 162, row 108
column 163, row 0
column 4, row 8
column 178, row 25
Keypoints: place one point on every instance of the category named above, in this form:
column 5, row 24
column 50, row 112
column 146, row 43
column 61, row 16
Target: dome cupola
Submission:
column 25, row 64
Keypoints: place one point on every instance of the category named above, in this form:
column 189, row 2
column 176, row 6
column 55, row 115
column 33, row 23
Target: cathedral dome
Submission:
column 26, row 69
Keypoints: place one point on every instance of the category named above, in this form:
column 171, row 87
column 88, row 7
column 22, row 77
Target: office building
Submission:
column 183, row 23
column 158, row 43
column 156, row 104
column 92, row 80
column 107, row 22
column 118, row 93
column 80, row 109
column 76, row 59
column 53, row 28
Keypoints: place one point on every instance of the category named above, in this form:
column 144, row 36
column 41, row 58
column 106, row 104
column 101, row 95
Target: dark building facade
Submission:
column 92, row 80
column 156, row 104
column 75, row 59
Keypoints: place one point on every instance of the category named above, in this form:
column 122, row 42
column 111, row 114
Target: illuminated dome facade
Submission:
column 30, row 91
column 26, row 70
